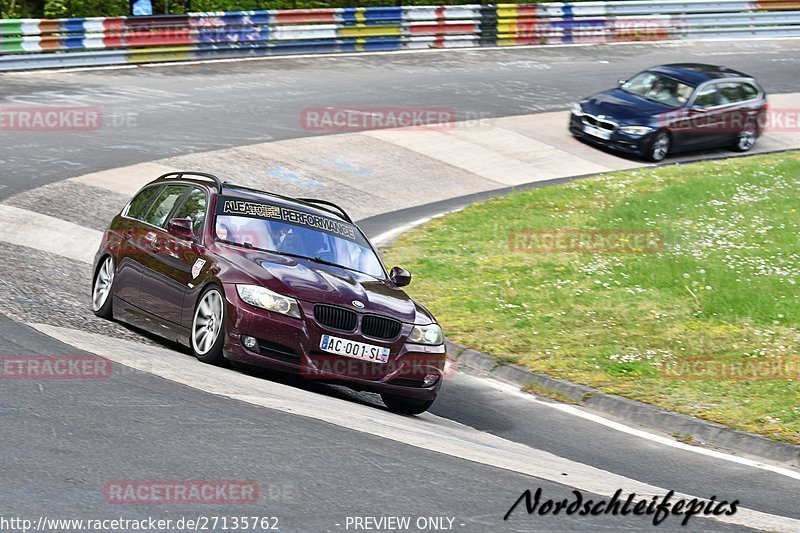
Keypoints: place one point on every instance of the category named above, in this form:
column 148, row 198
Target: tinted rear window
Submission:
column 730, row 93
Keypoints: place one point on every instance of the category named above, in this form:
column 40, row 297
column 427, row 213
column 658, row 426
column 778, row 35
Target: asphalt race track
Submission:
column 319, row 453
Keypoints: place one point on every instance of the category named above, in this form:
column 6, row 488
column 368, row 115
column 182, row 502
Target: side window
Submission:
column 194, row 208
column 749, row 91
column 707, row 97
column 157, row 216
column 140, row 205
column 730, row 93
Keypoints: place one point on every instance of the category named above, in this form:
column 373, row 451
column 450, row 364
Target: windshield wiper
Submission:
column 324, row 262
column 314, row 259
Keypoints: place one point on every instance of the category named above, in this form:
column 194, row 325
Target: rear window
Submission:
column 141, row 204
column 730, row 93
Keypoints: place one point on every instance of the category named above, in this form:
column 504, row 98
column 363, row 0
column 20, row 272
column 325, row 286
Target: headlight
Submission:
column 431, row 334
column 266, row 299
column 636, row 130
column 577, row 110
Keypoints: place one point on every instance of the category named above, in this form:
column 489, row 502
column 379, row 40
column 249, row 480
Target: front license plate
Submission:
column 596, row 132
column 356, row 350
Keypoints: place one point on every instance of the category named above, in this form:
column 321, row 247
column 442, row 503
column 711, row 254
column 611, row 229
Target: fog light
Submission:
column 249, row 342
column 429, row 379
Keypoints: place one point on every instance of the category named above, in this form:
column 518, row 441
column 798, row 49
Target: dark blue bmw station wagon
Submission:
column 674, row 108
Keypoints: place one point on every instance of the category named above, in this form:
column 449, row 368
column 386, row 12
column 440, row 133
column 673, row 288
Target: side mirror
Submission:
column 400, row 276
column 181, row 228
column 621, row 82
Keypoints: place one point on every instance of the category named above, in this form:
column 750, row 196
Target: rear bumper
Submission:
column 291, row 345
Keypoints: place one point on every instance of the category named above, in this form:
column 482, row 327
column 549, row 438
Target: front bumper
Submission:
column 292, row 345
column 618, row 141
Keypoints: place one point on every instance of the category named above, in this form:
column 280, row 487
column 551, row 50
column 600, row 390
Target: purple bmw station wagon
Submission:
column 262, row 279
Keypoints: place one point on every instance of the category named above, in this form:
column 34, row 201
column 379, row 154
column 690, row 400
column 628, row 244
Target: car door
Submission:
column 706, row 119
column 749, row 109
column 731, row 96
column 133, row 253
column 177, row 262
column 157, row 287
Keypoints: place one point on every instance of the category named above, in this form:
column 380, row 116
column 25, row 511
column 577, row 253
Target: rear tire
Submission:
column 207, row 335
column 103, row 289
column 405, row 406
column 659, row 147
column 746, row 139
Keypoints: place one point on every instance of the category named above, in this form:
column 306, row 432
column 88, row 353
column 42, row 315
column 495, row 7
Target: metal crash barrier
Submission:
column 45, row 43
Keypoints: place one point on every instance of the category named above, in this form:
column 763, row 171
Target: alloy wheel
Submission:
column 102, row 284
column 660, row 147
column 746, row 138
column 207, row 322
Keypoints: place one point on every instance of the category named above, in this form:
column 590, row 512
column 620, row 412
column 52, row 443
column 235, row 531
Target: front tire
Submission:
column 659, row 147
column 405, row 406
column 208, row 327
column 103, row 289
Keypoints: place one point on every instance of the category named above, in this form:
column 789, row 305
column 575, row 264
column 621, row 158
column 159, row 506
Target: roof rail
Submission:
column 179, row 175
column 318, row 203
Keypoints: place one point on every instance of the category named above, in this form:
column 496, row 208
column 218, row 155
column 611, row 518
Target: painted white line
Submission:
column 427, row 432
column 388, row 236
column 580, row 413
column 67, row 70
column 48, row 234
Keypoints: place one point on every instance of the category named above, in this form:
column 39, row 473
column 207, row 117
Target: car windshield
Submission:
column 297, row 234
column 658, row 88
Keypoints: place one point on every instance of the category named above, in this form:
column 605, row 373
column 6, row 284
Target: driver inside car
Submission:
column 664, row 91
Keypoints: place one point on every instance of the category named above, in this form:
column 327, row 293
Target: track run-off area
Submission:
column 322, row 454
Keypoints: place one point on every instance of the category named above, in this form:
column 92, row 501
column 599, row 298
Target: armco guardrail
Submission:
column 43, row 43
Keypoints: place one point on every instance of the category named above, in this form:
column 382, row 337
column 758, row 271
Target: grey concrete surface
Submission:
column 157, row 112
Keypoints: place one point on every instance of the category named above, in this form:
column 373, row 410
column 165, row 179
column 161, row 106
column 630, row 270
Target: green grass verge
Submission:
column 722, row 288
